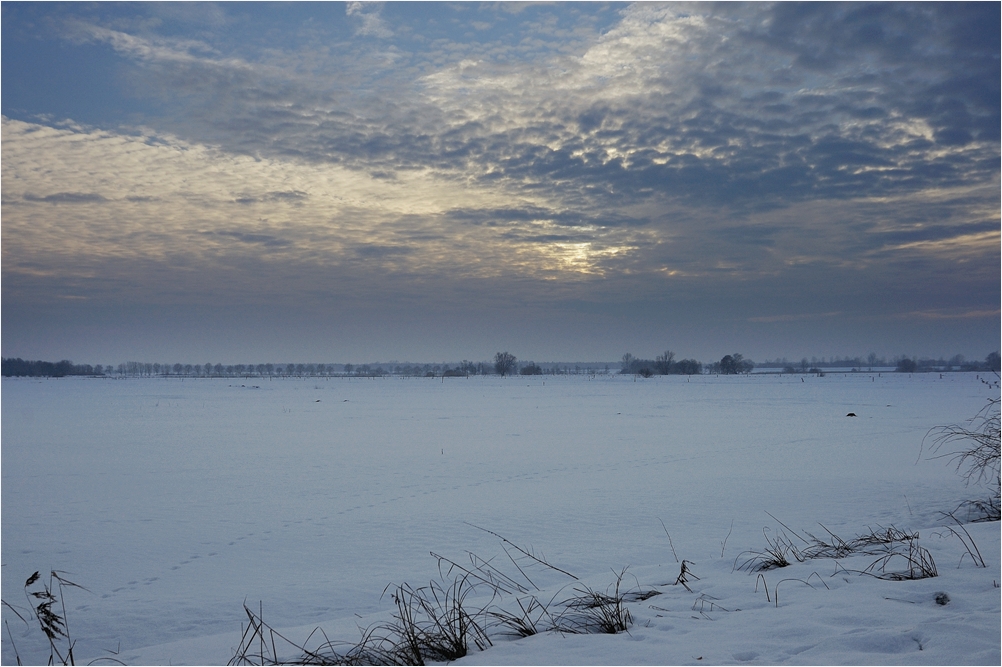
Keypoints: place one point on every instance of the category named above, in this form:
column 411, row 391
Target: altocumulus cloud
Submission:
column 165, row 198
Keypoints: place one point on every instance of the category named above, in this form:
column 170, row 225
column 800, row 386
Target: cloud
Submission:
column 956, row 246
column 750, row 106
column 372, row 24
column 800, row 317
column 267, row 240
column 176, row 50
column 375, row 251
column 951, row 314
column 673, row 152
column 67, row 198
column 131, row 200
column 702, row 106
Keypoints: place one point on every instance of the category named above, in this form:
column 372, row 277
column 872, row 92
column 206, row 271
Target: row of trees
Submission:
column 508, row 366
column 504, row 364
column 912, row 365
column 955, row 363
column 663, row 364
column 732, row 364
column 20, row 368
column 132, row 368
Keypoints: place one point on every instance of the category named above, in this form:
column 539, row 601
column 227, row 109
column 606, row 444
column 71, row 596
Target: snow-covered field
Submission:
column 174, row 502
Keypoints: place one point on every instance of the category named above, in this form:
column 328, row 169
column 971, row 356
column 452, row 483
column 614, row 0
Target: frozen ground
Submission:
column 174, row 502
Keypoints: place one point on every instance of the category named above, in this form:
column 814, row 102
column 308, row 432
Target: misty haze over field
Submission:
column 350, row 182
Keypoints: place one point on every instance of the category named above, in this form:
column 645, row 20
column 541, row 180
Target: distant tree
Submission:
column 531, row 369
column 627, row 363
column 994, row 362
column 726, row 365
column 732, row 364
column 906, row 365
column 663, row 362
column 505, row 363
column 687, row 367
column 744, row 365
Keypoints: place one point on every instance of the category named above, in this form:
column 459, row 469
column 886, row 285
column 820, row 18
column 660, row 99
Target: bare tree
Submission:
column 663, row 362
column 505, row 363
column 627, row 362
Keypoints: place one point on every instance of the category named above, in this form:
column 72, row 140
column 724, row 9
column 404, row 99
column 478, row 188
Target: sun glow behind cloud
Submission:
column 76, row 199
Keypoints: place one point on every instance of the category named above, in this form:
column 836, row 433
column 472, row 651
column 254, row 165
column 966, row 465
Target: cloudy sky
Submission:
column 353, row 182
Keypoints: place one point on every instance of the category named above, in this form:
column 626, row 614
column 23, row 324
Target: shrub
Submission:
column 592, row 611
column 433, row 623
column 972, row 448
column 49, row 610
column 772, row 557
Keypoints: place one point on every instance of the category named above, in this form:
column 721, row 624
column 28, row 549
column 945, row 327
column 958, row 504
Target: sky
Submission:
column 352, row 182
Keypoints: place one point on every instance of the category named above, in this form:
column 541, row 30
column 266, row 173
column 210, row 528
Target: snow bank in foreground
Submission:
column 821, row 611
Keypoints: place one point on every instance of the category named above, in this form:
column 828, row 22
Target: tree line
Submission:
column 20, row 368
column 663, row 364
column 503, row 364
column 901, row 362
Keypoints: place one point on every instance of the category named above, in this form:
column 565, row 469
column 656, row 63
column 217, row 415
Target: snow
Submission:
column 174, row 502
